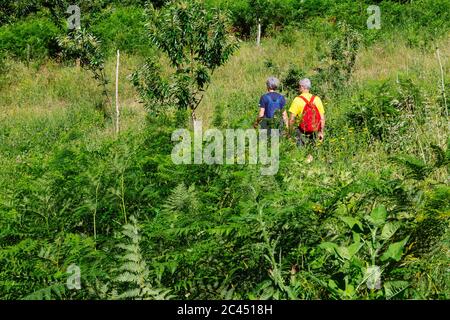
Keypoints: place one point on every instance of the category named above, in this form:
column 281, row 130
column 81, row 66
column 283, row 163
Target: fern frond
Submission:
column 131, row 248
column 52, row 292
column 182, row 199
column 133, row 267
column 417, row 169
column 442, row 157
column 129, row 277
column 130, row 294
column 134, row 274
column 132, row 257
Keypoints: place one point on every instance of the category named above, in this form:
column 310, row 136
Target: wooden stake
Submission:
column 28, row 54
column 258, row 39
column 117, row 94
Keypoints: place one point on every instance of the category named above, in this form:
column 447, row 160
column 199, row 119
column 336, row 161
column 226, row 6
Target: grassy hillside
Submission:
column 375, row 195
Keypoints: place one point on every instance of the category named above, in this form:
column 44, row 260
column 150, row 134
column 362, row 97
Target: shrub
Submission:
column 33, row 38
column 390, row 111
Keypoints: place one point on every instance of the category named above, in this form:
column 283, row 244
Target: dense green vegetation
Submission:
column 367, row 219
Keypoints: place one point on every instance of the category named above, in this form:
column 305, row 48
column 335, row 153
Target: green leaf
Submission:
column 351, row 222
column 389, row 230
column 329, row 246
column 354, row 248
column 350, row 291
column 395, row 250
column 332, row 285
column 356, row 237
column 378, row 216
column 393, row 288
column 344, row 253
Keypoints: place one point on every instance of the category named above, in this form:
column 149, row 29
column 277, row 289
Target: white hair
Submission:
column 306, row 83
column 272, row 83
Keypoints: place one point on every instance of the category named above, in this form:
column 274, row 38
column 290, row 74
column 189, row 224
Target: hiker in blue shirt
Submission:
column 270, row 104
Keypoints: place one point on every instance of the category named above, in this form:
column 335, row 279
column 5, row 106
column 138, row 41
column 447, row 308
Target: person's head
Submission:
column 272, row 84
column 305, row 85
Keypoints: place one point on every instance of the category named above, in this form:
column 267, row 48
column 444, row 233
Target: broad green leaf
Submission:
column 353, row 249
column 357, row 262
column 389, row 230
column 393, row 288
column 341, row 210
column 350, row 291
column 356, row 237
column 329, row 246
column 395, row 250
column 344, row 253
column 332, row 284
column 351, row 222
column 378, row 216
column 267, row 293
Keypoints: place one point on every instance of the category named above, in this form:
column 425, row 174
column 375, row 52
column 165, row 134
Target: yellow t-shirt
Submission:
column 298, row 104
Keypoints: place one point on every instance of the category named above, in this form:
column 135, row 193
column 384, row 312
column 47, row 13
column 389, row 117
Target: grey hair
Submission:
column 272, row 83
column 306, row 83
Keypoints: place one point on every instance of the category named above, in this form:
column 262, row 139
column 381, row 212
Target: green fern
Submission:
column 53, row 292
column 133, row 274
column 182, row 199
column 442, row 157
column 417, row 169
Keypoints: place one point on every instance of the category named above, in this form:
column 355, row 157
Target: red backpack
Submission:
column 310, row 117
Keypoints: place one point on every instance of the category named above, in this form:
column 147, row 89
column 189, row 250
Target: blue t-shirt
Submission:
column 271, row 102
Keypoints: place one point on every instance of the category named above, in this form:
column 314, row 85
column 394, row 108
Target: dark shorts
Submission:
column 304, row 138
column 271, row 123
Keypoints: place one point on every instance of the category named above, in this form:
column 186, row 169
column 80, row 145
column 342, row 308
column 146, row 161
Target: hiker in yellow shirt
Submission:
column 311, row 113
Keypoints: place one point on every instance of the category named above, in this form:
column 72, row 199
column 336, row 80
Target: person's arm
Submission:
column 322, row 127
column 292, row 120
column 286, row 119
column 284, row 113
column 322, row 119
column 294, row 111
column 262, row 111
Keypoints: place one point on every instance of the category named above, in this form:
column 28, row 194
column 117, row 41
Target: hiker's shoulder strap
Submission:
column 306, row 100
